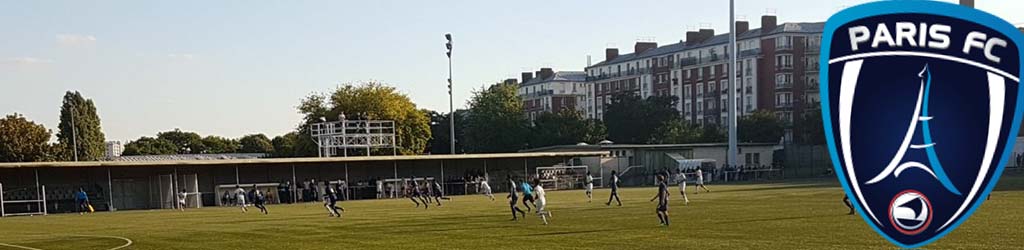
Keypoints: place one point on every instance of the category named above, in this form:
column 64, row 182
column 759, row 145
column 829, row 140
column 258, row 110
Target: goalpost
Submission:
column 563, row 177
column 34, row 201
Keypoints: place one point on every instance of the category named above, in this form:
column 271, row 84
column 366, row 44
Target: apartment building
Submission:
column 777, row 71
column 550, row 91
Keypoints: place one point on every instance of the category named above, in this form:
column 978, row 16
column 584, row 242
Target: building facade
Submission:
column 777, row 71
column 113, row 149
column 550, row 91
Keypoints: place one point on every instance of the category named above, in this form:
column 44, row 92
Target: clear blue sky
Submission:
column 231, row 68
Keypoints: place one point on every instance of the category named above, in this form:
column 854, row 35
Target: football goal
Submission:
column 22, row 201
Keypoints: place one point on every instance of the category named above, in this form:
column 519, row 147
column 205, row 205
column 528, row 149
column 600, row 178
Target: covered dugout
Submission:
column 115, row 185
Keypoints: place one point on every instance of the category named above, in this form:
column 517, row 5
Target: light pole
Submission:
column 732, row 83
column 451, row 105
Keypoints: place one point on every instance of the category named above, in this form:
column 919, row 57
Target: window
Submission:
column 750, row 106
column 686, row 91
column 784, row 61
column 725, row 85
column 700, row 90
column 783, row 100
column 784, row 42
column 700, row 74
column 783, row 80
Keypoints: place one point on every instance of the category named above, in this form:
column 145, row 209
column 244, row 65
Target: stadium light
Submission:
column 451, row 105
column 731, row 157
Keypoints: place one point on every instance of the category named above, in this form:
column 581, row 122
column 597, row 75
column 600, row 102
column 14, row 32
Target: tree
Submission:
column 759, row 126
column 150, row 146
column 22, row 140
column 369, row 100
column 88, row 135
column 284, row 145
column 565, row 127
column 676, row 131
column 633, row 120
column 810, row 128
column 185, row 142
column 496, row 122
column 256, row 143
column 440, row 140
column 220, row 145
column 713, row 133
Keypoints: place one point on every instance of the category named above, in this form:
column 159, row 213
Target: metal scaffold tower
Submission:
column 342, row 135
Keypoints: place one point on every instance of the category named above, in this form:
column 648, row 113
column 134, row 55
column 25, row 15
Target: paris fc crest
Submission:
column 921, row 103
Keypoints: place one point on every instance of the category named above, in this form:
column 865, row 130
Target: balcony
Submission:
column 784, row 105
column 750, row 52
column 784, row 66
column 783, row 85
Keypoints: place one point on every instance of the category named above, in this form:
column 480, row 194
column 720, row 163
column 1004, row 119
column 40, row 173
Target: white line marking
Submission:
column 924, row 54
column 19, row 247
column 128, row 242
column 851, row 71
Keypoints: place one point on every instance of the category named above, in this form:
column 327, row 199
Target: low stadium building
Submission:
column 28, row 188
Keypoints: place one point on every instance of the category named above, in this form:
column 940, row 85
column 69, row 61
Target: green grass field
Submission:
column 794, row 215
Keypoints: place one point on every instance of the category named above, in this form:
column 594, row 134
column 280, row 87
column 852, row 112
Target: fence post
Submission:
column 1, row 200
column 44, row 200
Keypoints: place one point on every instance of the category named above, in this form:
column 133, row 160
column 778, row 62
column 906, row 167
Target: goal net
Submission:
column 563, row 177
column 22, row 201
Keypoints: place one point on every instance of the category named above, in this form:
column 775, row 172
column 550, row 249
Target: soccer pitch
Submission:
column 805, row 214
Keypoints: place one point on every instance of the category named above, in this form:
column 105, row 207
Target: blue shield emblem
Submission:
column 921, row 103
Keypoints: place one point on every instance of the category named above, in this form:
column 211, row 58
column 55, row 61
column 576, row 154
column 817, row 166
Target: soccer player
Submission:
column 846, row 200
column 416, row 193
column 380, row 188
column 662, row 198
column 589, row 185
column 259, row 199
column 615, row 189
column 181, row 199
column 681, row 180
column 82, row 199
column 527, row 194
column 485, row 189
column 700, row 182
column 541, row 202
column 513, row 198
column 331, row 201
column 438, row 195
column 240, row 198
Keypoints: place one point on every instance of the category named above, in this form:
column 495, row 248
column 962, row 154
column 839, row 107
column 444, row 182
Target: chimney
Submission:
column 706, row 34
column 640, row 47
column 610, row 54
column 545, row 73
column 512, row 81
column 968, row 3
column 768, row 23
column 691, row 37
column 527, row 76
column 742, row 27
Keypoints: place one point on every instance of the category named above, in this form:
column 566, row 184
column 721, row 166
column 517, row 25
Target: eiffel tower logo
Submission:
column 895, row 168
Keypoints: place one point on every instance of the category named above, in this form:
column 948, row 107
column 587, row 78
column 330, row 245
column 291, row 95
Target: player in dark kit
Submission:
column 662, row 198
column 331, row 201
column 513, row 198
column 436, row 190
column 846, row 200
column 416, row 193
column 259, row 199
column 615, row 189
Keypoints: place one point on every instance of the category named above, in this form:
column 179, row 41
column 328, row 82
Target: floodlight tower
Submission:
column 732, row 84
column 451, row 106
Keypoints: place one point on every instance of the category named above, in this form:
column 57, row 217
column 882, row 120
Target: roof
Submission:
column 235, row 162
column 719, row 39
column 560, row 76
column 581, row 148
column 189, row 157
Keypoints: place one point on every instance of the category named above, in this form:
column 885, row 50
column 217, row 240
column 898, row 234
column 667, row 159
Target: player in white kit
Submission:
column 681, row 180
column 485, row 189
column 700, row 182
column 181, row 199
column 589, row 185
column 240, row 198
column 541, row 201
